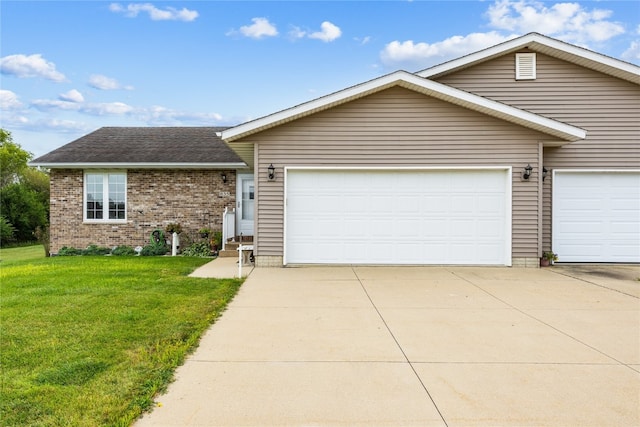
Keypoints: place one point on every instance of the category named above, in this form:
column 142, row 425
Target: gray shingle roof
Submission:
column 144, row 145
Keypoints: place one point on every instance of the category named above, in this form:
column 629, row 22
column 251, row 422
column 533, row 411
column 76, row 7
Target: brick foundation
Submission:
column 268, row 261
column 155, row 198
column 525, row 262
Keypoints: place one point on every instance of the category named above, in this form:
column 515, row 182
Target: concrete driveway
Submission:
column 416, row 346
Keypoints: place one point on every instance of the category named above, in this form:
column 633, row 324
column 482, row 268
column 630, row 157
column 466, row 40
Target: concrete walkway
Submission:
column 222, row 268
column 415, row 346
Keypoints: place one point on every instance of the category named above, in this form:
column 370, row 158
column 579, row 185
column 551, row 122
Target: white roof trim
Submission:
column 122, row 165
column 547, row 46
column 410, row 81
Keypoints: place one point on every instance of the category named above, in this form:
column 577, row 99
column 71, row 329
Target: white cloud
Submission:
column 101, row 82
column 328, row 32
column 297, row 33
column 158, row 115
column 9, row 100
column 72, row 96
column 568, row 21
column 168, row 14
column 54, row 104
column 35, row 65
column 151, row 116
column 55, row 125
column 260, row 28
column 416, row 55
column 95, row 109
column 632, row 54
column 108, row 108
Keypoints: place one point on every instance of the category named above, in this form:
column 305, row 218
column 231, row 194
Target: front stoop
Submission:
column 231, row 248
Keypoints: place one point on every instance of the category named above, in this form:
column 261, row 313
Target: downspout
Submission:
column 256, row 183
column 540, row 196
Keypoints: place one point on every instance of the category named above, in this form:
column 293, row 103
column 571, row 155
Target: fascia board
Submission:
column 122, row 165
column 537, row 42
column 418, row 84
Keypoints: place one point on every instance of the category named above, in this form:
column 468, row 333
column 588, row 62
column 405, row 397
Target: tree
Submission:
column 24, row 194
column 22, row 208
column 37, row 180
column 13, row 159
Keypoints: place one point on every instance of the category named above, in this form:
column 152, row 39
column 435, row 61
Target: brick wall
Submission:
column 155, row 198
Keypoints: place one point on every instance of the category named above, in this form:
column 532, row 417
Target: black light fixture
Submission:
column 272, row 172
column 544, row 173
column 527, row 172
column 224, row 177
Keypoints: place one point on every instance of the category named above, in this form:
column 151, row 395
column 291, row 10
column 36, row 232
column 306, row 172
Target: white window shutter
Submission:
column 525, row 66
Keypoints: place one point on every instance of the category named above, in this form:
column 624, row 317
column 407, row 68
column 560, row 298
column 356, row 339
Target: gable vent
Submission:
column 525, row 66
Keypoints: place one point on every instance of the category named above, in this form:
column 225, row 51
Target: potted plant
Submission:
column 204, row 232
column 548, row 258
column 173, row 228
column 216, row 241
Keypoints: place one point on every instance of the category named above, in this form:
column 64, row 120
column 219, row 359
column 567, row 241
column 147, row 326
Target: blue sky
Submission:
column 68, row 68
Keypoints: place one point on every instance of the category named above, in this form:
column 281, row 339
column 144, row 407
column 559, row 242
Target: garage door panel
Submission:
column 596, row 216
column 397, row 217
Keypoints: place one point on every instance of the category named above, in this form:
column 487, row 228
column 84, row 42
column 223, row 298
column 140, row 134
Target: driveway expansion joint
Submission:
column 401, row 349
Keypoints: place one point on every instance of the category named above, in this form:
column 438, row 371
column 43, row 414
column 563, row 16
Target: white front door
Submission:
column 245, row 196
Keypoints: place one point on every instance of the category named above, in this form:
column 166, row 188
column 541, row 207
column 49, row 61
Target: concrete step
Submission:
column 231, row 248
column 228, row 253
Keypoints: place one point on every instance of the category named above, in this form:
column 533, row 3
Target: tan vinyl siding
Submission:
column 396, row 127
column 606, row 107
column 245, row 151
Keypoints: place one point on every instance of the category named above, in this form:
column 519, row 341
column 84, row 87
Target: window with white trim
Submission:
column 525, row 66
column 105, row 196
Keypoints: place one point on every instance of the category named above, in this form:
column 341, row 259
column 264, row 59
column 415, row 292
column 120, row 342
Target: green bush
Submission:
column 154, row 250
column 67, row 251
column 22, row 208
column 200, row 249
column 6, row 231
column 123, row 250
column 93, row 250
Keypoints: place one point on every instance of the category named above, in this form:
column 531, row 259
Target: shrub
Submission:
column 6, row 231
column 154, row 250
column 199, row 249
column 67, row 251
column 123, row 250
column 93, row 250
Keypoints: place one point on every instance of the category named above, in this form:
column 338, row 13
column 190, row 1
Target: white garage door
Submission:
column 596, row 216
column 398, row 217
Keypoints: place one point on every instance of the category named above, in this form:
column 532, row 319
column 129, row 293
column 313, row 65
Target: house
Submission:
column 115, row 186
column 490, row 159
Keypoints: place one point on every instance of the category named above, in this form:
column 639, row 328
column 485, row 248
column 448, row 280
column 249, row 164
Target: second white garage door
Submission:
column 398, row 217
column 596, row 216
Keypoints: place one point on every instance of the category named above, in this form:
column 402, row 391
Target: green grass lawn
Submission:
column 89, row 341
column 19, row 254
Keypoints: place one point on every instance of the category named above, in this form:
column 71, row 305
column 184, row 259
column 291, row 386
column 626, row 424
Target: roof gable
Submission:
column 548, row 46
column 145, row 147
column 410, row 81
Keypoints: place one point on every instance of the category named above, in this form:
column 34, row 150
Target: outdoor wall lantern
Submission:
column 527, row 172
column 272, row 172
column 224, row 177
column 544, row 173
